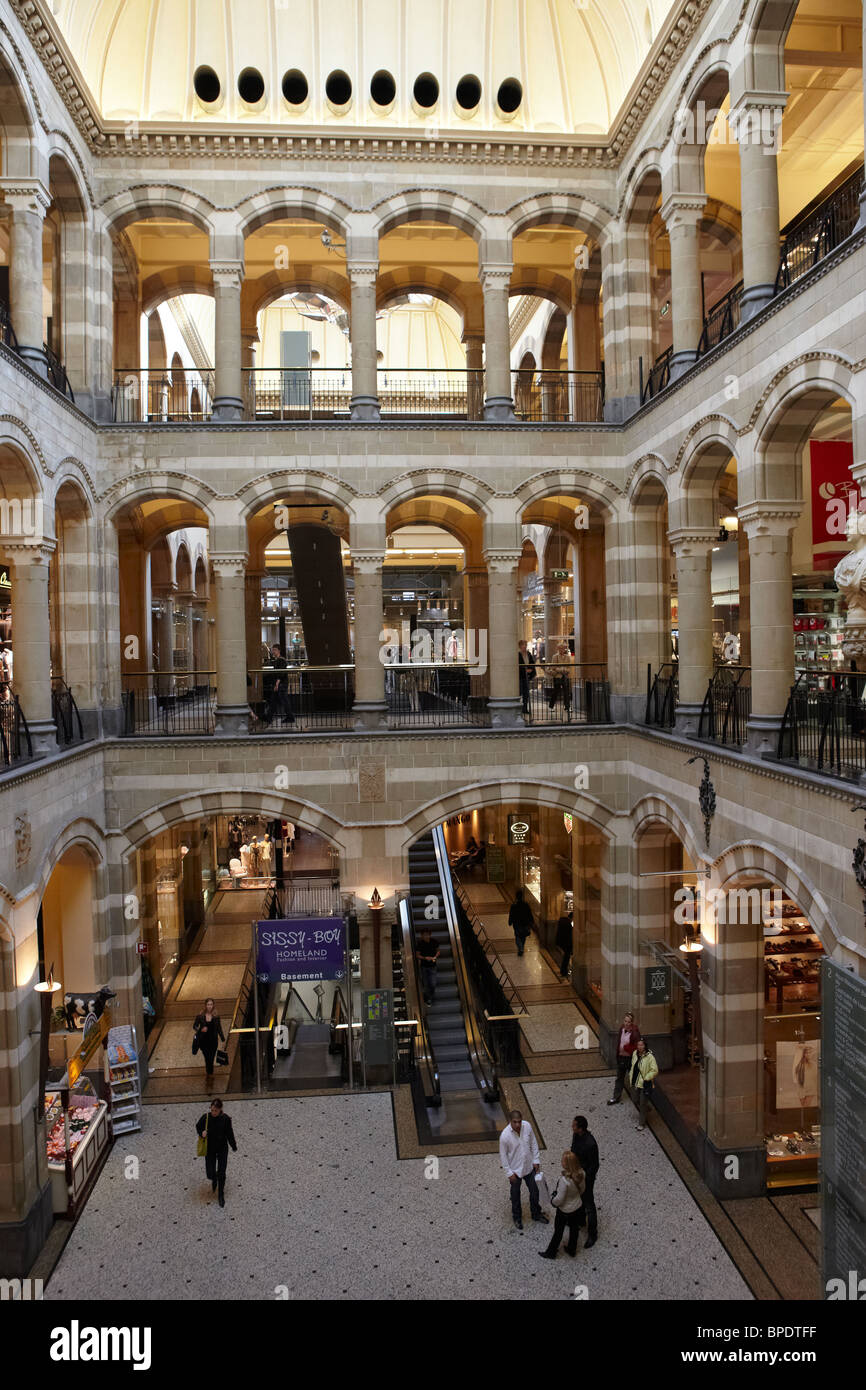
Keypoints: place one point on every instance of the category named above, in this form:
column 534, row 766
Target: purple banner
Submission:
column 301, row 948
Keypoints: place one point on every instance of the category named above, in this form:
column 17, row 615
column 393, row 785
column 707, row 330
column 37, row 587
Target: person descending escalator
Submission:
column 428, row 953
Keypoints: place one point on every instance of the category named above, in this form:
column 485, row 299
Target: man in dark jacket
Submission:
column 219, row 1135
column 584, row 1147
column 526, row 669
column 564, row 942
column 520, row 920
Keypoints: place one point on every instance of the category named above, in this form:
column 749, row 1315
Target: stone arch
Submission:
column 404, row 280
column 310, row 204
column 18, row 120
column 173, row 487
column 784, row 419
column 259, row 294
column 757, row 55
column 145, row 201
column 642, row 189
column 443, row 482
column 543, row 284
column 703, row 458
column 750, row 858
column 20, row 473
column 428, row 205
column 476, row 795
column 72, row 470
column 232, row 801
column 168, row 284
column 84, row 834
column 648, row 476
column 560, row 209
column 322, row 487
column 571, row 482
column 655, row 810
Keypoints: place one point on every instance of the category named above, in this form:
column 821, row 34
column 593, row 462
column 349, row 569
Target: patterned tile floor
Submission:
column 318, row 1202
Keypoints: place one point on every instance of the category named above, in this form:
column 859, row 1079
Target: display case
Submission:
column 819, row 626
column 76, row 1137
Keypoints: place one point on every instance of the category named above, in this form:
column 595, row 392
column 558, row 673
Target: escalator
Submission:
column 320, row 584
column 465, row 1105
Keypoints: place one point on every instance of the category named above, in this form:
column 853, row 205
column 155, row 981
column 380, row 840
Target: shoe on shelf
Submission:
column 541, row 1217
column 587, row 1245
column 547, row 1254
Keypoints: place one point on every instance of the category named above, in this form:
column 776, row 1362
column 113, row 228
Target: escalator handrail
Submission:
column 479, row 1053
column 509, row 988
column 427, row 1052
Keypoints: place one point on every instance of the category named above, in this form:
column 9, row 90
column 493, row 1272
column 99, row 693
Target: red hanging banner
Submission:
column 834, row 496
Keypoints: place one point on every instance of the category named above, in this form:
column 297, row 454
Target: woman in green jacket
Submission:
column 644, row 1070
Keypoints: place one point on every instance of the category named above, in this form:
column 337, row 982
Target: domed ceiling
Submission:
column 557, row 66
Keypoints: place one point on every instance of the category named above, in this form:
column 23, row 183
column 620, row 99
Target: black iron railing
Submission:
column 552, row 397
column 721, row 320
column 567, row 693
column 141, row 394
column 7, row 332
column 824, row 728
column 15, row 745
column 434, row 695
column 64, row 712
column 820, row 231
column 659, row 376
column 296, row 699
column 57, row 373
column 421, row 393
column 161, row 703
column 727, row 706
column 662, row 695
column 297, row 393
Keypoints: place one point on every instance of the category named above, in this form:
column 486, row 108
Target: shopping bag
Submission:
column 194, row 1043
column 543, row 1189
column 222, row 1057
column 201, row 1146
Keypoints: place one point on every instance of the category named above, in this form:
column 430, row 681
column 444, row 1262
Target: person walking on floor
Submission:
column 427, row 952
column 585, row 1150
column 644, row 1070
column 629, row 1034
column 520, row 920
column 208, row 1031
column 564, row 942
column 566, row 1198
column 216, row 1127
column 520, row 1159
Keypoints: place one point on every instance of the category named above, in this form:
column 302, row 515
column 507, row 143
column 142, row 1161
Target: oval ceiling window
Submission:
column 296, row 88
column 251, row 86
column 509, row 96
column 426, row 90
column 338, row 88
column 383, row 88
column 468, row 92
column 206, row 84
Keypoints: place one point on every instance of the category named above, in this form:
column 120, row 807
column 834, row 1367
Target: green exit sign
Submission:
column 559, row 574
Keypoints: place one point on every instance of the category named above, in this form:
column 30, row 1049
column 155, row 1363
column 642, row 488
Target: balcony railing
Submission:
column 721, row 320
column 297, row 393
column 568, row 694
column 142, row 394
column 15, row 745
column 435, row 695
column 553, row 397
column 7, row 332
column 659, row 376
column 64, row 712
column 57, row 373
column 422, row 394
column 662, row 695
column 824, row 728
column 820, row 232
column 727, row 706
column 300, row 699
column 161, row 703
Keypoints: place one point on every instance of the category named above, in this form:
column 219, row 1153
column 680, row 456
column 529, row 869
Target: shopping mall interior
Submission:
column 429, row 474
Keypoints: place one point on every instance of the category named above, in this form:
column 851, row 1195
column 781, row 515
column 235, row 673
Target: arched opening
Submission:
column 24, row 611
column 67, row 945
column 73, row 677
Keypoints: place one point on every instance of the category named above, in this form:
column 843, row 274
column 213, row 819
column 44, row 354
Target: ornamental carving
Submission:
column 706, row 797
column 22, row 839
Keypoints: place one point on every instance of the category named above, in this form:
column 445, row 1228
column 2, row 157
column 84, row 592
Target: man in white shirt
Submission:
column 518, row 1153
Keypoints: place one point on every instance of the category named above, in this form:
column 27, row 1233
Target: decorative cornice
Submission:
column 367, row 561
column 231, row 565
column 699, row 539
column 502, row 561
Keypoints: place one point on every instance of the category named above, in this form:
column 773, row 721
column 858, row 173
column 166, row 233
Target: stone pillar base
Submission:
column 364, row 408
column 752, row 301
column 232, row 721
column 627, row 709
column 112, row 721
column 43, row 737
column 688, row 720
column 620, row 408
column 370, row 714
column 500, row 408
column 762, row 734
column 505, row 714
column 96, row 404
column 21, row 1241
column 681, row 362
column 35, row 359
column 227, row 409
column 717, row 1169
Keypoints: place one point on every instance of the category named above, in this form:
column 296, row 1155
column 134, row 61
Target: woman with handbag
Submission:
column 207, row 1034
column 215, row 1134
column 644, row 1070
column 567, row 1201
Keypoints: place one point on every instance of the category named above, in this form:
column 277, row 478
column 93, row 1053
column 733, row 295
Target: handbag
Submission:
column 201, row 1146
column 222, row 1057
column 543, row 1190
column 194, row 1043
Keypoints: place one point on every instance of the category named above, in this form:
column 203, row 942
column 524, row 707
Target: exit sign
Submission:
column 559, row 574
column 142, row 948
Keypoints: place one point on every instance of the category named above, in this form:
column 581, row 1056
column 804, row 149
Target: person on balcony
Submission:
column 527, row 674
column 279, row 705
column 559, row 672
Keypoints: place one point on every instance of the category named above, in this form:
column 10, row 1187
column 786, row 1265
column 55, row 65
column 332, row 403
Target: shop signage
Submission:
column 300, row 948
column 5, row 581
column 518, row 830
column 843, row 1127
column 377, row 1019
column 495, row 862
column 95, row 1029
column 142, row 948
column 657, row 984
column 834, row 495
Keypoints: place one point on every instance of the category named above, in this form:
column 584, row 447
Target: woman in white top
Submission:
column 567, row 1200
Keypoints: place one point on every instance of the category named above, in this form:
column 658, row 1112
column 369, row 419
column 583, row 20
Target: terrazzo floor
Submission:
column 318, row 1202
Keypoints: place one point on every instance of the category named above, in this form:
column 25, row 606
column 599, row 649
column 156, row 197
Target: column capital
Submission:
column 502, row 561
column 769, row 518
column 696, row 540
column 368, row 561
column 227, row 275
column 38, row 553
column 475, row 574
column 229, row 566
column 25, row 195
column 755, row 118
column 362, row 274
column 495, row 277
column 163, row 591
column 683, row 210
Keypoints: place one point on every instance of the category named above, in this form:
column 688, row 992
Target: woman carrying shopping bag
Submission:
column 215, row 1134
column 207, row 1034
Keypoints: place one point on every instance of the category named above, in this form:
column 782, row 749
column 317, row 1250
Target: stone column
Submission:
column 476, row 619
column 474, row 344
column 745, row 604
column 695, row 622
column 370, row 703
column 769, row 529
column 32, row 640
column 757, row 122
column 28, row 201
column 682, row 214
column 498, row 404
column 365, row 386
column 228, row 394
column 249, row 343
column 199, row 644
column 163, row 658
column 253, row 615
column 502, row 569
column 231, row 661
